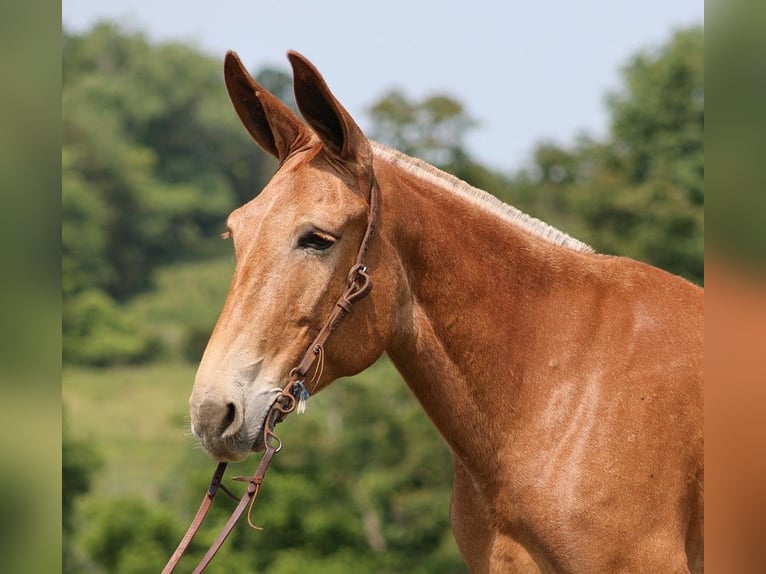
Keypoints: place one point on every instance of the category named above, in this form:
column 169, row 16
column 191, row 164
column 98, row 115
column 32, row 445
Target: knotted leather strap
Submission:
column 253, row 487
column 207, row 502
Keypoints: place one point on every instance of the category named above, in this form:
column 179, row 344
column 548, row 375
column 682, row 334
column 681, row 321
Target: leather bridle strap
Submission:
column 253, row 488
column 273, row 446
column 207, row 502
column 358, row 286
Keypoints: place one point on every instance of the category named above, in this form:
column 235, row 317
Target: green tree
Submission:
column 128, row 535
column 79, row 462
column 646, row 195
column 433, row 129
column 153, row 159
column 640, row 192
column 658, row 118
column 141, row 131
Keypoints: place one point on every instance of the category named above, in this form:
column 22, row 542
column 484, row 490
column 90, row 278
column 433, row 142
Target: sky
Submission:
column 530, row 71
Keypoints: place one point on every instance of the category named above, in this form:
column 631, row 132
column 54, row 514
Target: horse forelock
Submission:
column 478, row 197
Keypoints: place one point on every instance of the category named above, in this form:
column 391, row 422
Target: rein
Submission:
column 293, row 395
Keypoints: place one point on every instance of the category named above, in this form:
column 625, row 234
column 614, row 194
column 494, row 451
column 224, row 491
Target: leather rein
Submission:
column 293, row 394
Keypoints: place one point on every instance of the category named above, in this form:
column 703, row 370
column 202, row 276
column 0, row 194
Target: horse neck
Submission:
column 477, row 286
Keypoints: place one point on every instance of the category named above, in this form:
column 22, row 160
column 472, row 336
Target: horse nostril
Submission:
column 217, row 419
column 228, row 420
column 232, row 421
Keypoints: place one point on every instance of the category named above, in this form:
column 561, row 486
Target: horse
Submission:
column 566, row 383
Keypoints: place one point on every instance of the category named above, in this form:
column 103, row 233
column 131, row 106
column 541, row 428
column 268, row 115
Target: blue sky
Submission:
column 527, row 71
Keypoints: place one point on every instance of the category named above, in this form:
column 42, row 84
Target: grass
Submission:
column 135, row 417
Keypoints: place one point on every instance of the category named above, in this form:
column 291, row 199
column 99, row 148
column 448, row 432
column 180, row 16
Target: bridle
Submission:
column 358, row 286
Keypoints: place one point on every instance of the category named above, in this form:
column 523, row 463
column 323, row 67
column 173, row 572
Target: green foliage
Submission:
column 136, row 418
column 640, row 193
column 79, row 462
column 658, row 118
column 84, row 262
column 99, row 333
column 153, row 159
column 128, row 535
column 143, row 136
column 433, row 129
column 184, row 318
column 645, row 197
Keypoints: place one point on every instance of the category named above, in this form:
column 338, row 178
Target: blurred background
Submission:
column 154, row 159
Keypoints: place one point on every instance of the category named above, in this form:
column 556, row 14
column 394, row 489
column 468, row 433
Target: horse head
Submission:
column 294, row 244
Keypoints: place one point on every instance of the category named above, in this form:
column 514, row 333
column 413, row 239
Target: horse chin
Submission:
column 226, row 451
column 259, row 444
column 268, row 419
column 237, row 448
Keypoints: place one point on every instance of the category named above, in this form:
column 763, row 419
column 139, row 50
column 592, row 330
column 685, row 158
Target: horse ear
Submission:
column 337, row 130
column 272, row 124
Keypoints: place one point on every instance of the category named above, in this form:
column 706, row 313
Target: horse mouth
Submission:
column 225, row 450
column 270, row 421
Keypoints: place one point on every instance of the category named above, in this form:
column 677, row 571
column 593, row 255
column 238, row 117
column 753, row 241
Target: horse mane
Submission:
column 478, row 197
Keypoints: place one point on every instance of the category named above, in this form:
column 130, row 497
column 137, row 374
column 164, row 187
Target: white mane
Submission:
column 477, row 197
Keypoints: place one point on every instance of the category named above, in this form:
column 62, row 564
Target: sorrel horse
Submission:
column 567, row 384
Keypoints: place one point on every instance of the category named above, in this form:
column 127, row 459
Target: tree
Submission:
column 433, row 129
column 640, row 192
column 153, row 161
column 142, row 132
column 79, row 462
column 654, row 210
column 658, row 118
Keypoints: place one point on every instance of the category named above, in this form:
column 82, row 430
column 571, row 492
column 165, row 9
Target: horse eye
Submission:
column 316, row 240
